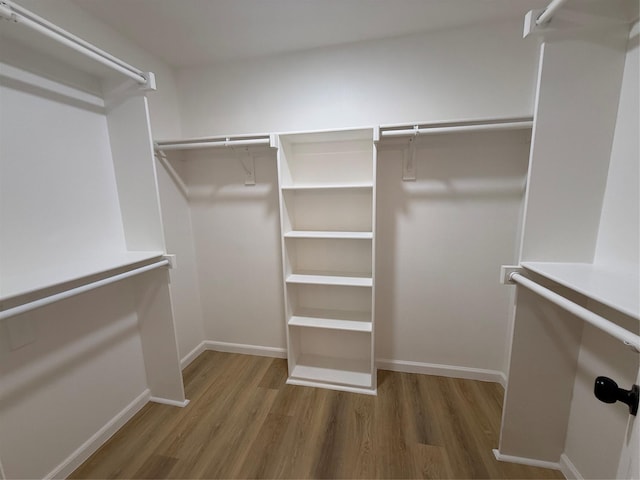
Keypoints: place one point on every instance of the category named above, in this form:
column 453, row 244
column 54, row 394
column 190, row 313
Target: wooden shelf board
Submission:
column 315, row 279
column 329, row 234
column 333, row 370
column 28, row 282
column 617, row 289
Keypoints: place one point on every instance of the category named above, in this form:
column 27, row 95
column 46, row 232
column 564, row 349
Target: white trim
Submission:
column 85, row 450
column 259, row 350
column 532, row 462
column 192, row 355
column 451, row 371
column 167, row 401
column 568, row 469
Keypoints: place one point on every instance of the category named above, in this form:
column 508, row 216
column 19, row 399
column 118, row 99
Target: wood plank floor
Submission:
column 245, row 422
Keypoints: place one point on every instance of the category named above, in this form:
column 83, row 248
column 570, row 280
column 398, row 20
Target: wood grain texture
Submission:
column 245, row 422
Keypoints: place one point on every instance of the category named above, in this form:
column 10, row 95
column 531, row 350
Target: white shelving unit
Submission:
column 327, row 211
column 78, row 186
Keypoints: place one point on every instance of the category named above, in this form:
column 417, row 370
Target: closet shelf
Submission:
column 316, row 368
column 614, row 288
column 329, row 234
column 328, row 186
column 30, row 281
column 333, row 320
column 337, row 280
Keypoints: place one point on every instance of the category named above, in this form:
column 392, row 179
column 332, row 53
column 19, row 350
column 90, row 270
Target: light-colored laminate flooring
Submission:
column 245, row 422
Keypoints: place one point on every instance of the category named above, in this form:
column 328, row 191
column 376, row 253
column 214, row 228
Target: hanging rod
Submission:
column 548, row 12
column 15, row 13
column 26, row 307
column 479, row 127
column 616, row 331
column 211, row 143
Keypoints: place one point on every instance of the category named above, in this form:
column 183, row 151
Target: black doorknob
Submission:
column 607, row 391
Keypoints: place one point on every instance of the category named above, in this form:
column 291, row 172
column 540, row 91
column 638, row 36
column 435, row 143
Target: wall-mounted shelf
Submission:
column 23, row 283
column 329, row 234
column 330, row 280
column 617, row 289
column 327, row 204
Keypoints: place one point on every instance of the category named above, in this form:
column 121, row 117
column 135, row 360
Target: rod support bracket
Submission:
column 6, row 12
column 409, row 158
column 150, row 84
column 506, row 271
column 171, row 258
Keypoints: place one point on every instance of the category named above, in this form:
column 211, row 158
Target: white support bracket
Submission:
column 409, row 158
column 172, row 259
column 248, row 165
column 506, row 271
column 566, row 22
column 6, row 12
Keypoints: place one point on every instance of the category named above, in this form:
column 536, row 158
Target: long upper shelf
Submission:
column 28, row 282
column 614, row 288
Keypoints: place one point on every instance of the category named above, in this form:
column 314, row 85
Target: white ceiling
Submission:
column 186, row 33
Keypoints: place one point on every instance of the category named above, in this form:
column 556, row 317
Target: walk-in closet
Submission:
column 311, row 239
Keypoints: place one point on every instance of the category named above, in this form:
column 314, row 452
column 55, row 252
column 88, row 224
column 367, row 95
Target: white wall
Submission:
column 237, row 241
column 487, row 70
column 440, row 243
column 461, row 214
column 85, row 367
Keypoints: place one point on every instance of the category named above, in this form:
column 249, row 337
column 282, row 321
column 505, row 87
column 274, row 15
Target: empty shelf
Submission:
column 330, row 323
column 329, row 234
column 330, row 280
column 30, row 280
column 615, row 288
column 317, row 368
column 327, row 186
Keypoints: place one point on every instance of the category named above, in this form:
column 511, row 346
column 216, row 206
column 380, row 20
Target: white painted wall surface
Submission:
column 440, row 243
column 185, row 288
column 83, row 368
column 487, row 70
column 236, row 231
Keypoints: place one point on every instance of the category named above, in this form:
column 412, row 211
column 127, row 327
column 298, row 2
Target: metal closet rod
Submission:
column 14, row 12
column 607, row 326
column 42, row 302
column 221, row 142
column 548, row 12
column 479, row 127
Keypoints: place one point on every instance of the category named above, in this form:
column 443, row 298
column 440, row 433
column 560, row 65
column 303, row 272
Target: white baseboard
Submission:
column 443, row 370
column 166, row 401
column 192, row 355
column 532, row 462
column 568, row 469
column 246, row 349
column 85, row 450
